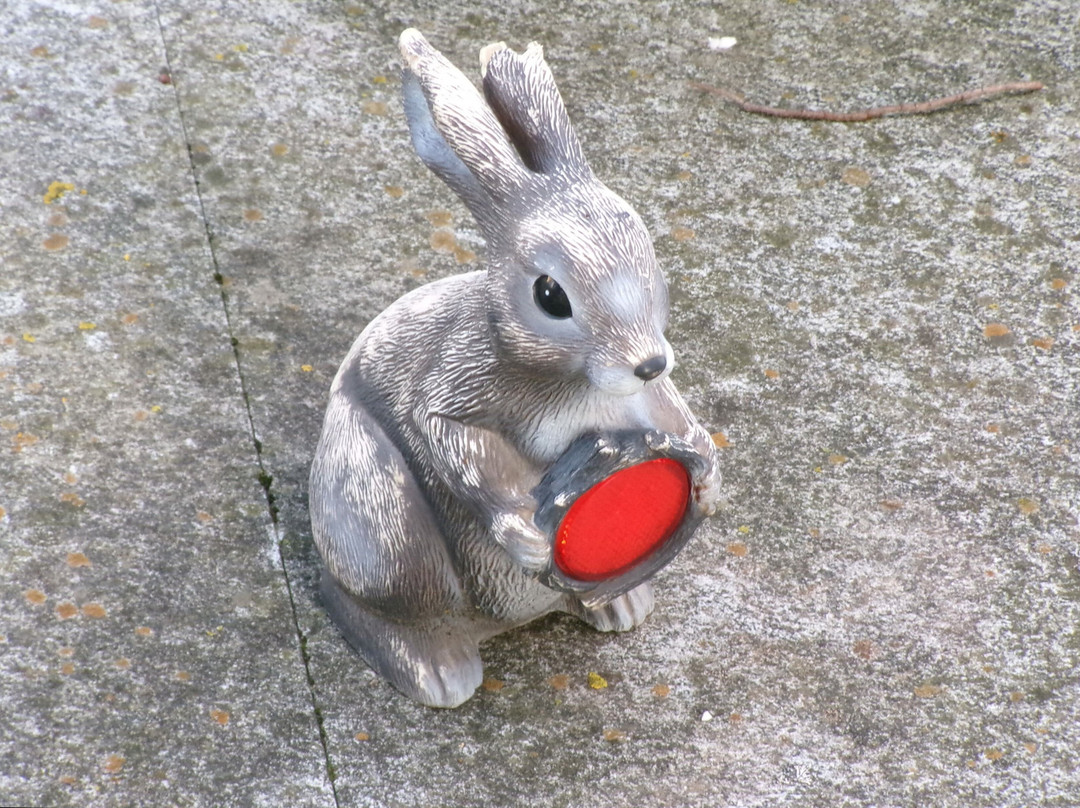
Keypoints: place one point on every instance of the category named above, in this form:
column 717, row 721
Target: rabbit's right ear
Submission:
column 456, row 133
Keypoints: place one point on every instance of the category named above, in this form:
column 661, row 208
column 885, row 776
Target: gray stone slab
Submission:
column 885, row 611
column 149, row 652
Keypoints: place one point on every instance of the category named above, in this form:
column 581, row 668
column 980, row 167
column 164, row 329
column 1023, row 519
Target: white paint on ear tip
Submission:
column 486, row 53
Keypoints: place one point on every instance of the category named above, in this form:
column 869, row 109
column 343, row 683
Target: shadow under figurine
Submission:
column 506, row 443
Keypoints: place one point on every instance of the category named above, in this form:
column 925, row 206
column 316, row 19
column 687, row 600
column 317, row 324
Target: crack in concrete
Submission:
column 265, row 479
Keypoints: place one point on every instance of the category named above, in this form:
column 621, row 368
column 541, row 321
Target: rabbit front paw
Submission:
column 707, row 490
column 526, row 544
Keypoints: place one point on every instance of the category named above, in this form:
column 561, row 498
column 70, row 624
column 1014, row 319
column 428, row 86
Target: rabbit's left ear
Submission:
column 456, row 133
column 522, row 92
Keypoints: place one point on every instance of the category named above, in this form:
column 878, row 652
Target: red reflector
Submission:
column 622, row 519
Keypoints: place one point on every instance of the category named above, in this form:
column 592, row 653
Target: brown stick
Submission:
column 876, row 112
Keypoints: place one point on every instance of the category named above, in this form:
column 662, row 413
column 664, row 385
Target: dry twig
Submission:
column 921, row 108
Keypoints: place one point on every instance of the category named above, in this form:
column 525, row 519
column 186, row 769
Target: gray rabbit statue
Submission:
column 473, row 417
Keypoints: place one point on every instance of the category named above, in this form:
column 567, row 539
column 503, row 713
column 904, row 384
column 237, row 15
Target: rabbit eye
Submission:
column 551, row 297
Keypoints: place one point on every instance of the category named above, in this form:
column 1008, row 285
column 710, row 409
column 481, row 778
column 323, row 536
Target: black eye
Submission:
column 551, row 297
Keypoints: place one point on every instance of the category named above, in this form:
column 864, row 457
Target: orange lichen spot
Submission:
column 991, row 330
column 129, row 319
column 596, row 681
column 1016, row 696
column 737, row 549
column 67, row 779
column 464, row 256
column 113, row 764
column 793, row 305
column 394, row 191
column 1046, row 343
column 70, row 478
column 720, row 440
column 492, row 685
column 560, row 681
column 614, row 735
column 123, row 663
column 220, row 716
column 682, row 233
column 362, row 736
column 78, row 560
column 203, row 516
column 1031, row 747
column 95, row 610
column 1043, row 548
column 771, row 374
column 22, row 440
column 72, row 499
column 143, row 631
column 35, row 596
column 1022, row 160
column 814, row 533
column 141, row 415
column 375, row 107
column 1027, row 506
column 994, row 754
column 1057, row 284
column 66, row 652
column 927, row 691
column 252, row 215
column 65, row 611
column 67, row 668
column 661, row 690
column 892, row 504
column 993, row 429
column 853, row 175
column 56, row 241
column 440, row 218
column 863, row 649
column 279, row 150
column 3, row 513
column 443, row 241
column 683, row 176
column 97, row 22
column 838, row 459
column 183, row 676
column 56, row 190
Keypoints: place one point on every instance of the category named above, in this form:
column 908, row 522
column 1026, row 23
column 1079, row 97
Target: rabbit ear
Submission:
column 455, row 132
column 522, row 92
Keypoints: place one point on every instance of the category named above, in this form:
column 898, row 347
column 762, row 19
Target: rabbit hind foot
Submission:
column 623, row 613
column 434, row 662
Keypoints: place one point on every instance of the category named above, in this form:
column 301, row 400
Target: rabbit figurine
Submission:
column 469, row 412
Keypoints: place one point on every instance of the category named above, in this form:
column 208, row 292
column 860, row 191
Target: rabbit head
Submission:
column 574, row 289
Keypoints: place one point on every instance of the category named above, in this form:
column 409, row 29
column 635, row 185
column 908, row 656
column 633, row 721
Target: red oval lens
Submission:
column 622, row 519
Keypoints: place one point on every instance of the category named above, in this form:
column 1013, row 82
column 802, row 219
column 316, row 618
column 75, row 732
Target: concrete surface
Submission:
column 881, row 318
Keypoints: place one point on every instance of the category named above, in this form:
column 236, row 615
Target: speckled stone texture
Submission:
column 881, row 319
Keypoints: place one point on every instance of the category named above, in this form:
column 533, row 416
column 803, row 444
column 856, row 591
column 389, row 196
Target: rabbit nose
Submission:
column 651, row 368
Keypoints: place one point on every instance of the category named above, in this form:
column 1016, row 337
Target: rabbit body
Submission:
column 456, row 400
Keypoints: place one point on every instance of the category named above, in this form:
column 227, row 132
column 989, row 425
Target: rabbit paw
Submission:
column 707, row 490
column 624, row 612
column 447, row 678
column 526, row 544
